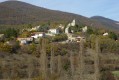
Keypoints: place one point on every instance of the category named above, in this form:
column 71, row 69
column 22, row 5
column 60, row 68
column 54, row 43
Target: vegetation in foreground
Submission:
column 49, row 59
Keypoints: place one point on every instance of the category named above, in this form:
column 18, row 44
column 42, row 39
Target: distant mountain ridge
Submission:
column 107, row 22
column 17, row 12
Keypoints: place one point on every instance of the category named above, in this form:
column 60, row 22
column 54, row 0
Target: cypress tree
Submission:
column 96, row 60
column 81, row 60
column 52, row 66
column 44, row 60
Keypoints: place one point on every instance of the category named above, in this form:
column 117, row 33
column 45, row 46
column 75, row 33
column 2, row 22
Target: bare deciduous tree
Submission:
column 30, row 67
column 81, row 60
column 4, row 70
column 96, row 61
column 52, row 63
column 72, row 63
column 59, row 64
column 43, row 59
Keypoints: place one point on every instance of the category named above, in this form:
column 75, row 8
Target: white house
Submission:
column 84, row 29
column 35, row 28
column 61, row 26
column 24, row 41
column 70, row 37
column 2, row 36
column 79, row 38
column 38, row 35
column 105, row 34
column 27, row 39
column 75, row 38
column 53, row 31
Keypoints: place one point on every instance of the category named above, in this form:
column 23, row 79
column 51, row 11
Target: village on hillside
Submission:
column 59, row 40
column 33, row 34
column 37, row 53
column 61, row 30
column 60, row 34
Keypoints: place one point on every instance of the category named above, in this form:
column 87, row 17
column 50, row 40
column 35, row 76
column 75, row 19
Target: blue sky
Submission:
column 88, row 8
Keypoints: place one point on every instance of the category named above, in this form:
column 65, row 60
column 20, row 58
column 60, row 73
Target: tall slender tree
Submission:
column 44, row 60
column 4, row 70
column 72, row 63
column 30, row 67
column 96, row 61
column 59, row 64
column 52, row 66
column 81, row 60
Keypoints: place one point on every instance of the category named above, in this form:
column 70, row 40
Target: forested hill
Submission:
column 17, row 12
column 107, row 22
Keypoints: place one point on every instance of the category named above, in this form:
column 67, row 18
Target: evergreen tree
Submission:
column 112, row 35
column 11, row 32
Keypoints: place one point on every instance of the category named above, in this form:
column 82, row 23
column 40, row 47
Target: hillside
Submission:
column 18, row 13
column 107, row 22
